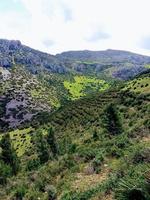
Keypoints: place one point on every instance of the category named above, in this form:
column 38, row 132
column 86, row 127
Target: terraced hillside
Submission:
column 98, row 148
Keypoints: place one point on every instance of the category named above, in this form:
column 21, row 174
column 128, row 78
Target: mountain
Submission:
column 119, row 64
column 109, row 63
column 33, row 82
column 12, row 52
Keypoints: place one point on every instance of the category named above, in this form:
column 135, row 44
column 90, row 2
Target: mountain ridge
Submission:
column 12, row 52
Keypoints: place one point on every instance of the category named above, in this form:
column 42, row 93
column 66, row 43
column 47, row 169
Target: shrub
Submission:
column 97, row 162
column 87, row 153
column 33, row 164
column 20, row 192
column 141, row 155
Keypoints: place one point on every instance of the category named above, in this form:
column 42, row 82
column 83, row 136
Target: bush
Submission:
column 42, row 148
column 97, row 162
column 20, row 192
column 87, row 153
column 33, row 164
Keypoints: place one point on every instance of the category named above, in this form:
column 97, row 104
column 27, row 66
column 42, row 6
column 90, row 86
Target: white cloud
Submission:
column 79, row 24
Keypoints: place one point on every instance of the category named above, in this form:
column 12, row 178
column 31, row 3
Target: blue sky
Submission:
column 9, row 5
column 60, row 25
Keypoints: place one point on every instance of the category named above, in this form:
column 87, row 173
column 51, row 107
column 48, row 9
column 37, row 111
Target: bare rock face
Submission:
column 12, row 52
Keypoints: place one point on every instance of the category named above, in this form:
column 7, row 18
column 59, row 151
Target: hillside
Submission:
column 98, row 148
column 33, row 82
column 23, row 96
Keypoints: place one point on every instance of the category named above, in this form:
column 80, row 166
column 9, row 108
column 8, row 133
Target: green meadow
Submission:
column 81, row 85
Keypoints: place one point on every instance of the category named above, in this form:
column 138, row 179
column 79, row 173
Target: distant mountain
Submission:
column 107, row 56
column 121, row 64
column 116, row 63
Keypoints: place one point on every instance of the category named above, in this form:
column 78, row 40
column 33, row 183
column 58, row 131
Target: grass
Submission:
column 83, row 85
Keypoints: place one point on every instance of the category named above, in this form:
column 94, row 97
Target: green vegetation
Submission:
column 8, row 155
column 95, row 147
column 147, row 66
column 141, row 85
column 21, row 140
column 83, row 85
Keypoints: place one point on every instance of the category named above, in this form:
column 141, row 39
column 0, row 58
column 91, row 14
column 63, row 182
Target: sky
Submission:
column 55, row 26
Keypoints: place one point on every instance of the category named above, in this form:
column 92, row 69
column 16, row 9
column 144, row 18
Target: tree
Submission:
column 52, row 142
column 8, row 155
column 42, row 148
column 112, row 120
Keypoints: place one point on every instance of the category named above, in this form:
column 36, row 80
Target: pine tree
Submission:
column 112, row 120
column 8, row 155
column 42, row 148
column 52, row 142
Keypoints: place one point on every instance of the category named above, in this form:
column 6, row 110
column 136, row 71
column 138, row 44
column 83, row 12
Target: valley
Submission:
column 74, row 126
